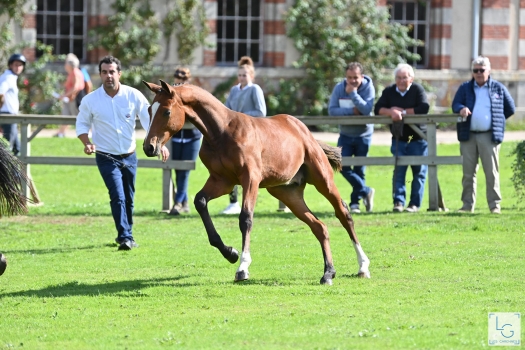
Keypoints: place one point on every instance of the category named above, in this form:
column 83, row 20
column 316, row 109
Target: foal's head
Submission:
column 167, row 117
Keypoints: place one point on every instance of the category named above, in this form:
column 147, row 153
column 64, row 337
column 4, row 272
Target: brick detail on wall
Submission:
column 94, row 56
column 273, row 59
column 522, row 32
column 29, row 21
column 95, row 21
column 439, row 62
column 212, row 25
column 495, row 4
column 440, row 31
column 499, row 62
column 521, row 63
column 381, row 2
column 494, row 32
column 29, row 53
column 274, row 28
column 440, row 3
column 209, row 58
column 275, row 1
column 522, row 3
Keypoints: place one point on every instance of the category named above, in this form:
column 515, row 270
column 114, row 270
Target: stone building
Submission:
column 454, row 31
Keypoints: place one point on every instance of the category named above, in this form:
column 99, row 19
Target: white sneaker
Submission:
column 232, row 208
column 354, row 209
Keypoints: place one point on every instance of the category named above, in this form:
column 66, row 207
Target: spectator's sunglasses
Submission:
column 478, row 70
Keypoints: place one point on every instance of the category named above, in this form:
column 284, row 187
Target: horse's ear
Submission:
column 165, row 86
column 153, row 87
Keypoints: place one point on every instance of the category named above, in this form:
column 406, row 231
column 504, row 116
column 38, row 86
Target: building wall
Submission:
column 450, row 47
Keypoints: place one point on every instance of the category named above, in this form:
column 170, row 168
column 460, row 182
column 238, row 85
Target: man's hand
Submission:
column 165, row 153
column 350, row 88
column 2, row 99
column 89, row 148
column 396, row 114
column 465, row 112
column 356, row 111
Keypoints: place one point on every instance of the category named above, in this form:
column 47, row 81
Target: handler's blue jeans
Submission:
column 419, row 172
column 11, row 134
column 120, row 181
column 357, row 147
column 184, row 151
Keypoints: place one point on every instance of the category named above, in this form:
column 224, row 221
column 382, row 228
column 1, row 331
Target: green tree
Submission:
column 187, row 19
column 10, row 11
column 36, row 83
column 330, row 33
column 132, row 35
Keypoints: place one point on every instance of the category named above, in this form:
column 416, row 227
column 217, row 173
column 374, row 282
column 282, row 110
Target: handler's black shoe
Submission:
column 127, row 244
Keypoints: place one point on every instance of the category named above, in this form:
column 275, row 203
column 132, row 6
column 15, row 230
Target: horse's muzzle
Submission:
column 152, row 147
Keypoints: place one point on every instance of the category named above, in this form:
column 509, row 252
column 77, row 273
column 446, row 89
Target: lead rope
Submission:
column 123, row 165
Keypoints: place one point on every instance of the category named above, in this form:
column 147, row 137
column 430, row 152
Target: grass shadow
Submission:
column 75, row 288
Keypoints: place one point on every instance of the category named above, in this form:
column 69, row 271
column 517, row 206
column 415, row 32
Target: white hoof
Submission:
column 363, row 274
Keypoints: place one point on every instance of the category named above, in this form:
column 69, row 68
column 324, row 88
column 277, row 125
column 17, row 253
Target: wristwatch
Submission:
column 404, row 111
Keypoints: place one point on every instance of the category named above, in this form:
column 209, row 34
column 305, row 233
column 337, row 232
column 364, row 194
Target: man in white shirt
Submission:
column 9, row 103
column 110, row 113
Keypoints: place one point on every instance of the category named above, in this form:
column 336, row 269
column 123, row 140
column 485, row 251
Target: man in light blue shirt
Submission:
column 110, row 112
column 354, row 96
column 485, row 104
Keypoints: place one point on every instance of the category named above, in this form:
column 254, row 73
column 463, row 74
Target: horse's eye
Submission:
column 167, row 113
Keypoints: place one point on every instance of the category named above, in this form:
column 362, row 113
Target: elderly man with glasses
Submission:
column 484, row 104
column 397, row 100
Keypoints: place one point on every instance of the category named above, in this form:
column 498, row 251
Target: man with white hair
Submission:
column 73, row 85
column 485, row 104
column 401, row 98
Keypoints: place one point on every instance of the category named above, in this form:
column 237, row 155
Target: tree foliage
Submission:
column 10, row 11
column 518, row 169
column 36, row 83
column 132, row 33
column 331, row 33
column 187, row 19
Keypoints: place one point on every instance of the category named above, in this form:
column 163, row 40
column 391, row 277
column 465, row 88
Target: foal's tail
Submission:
column 333, row 154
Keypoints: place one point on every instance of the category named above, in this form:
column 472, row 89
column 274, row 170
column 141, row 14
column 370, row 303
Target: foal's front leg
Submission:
column 249, row 197
column 213, row 189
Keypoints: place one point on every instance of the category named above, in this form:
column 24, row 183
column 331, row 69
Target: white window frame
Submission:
column 415, row 22
column 236, row 41
column 70, row 37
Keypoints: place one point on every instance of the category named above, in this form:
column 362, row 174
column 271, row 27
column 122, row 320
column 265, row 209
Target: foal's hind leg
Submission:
column 293, row 197
column 249, row 197
column 213, row 189
column 326, row 186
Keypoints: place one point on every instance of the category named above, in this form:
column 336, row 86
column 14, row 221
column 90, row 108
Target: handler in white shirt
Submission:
column 110, row 113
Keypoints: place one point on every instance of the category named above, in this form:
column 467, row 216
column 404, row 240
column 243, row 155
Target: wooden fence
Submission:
column 436, row 202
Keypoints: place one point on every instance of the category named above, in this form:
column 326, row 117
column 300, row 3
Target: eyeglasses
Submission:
column 478, row 70
column 242, row 75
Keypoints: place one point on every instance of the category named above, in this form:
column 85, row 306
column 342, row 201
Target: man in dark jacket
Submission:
column 406, row 97
column 484, row 104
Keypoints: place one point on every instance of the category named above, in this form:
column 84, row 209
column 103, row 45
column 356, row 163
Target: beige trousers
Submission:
column 480, row 146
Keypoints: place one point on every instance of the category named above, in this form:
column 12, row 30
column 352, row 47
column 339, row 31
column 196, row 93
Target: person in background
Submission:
column 185, row 146
column 485, row 104
column 9, row 95
column 88, row 87
column 72, row 87
column 110, row 112
column 352, row 97
column 248, row 98
column 401, row 98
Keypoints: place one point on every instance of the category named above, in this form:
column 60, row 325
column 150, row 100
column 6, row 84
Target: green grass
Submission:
column 435, row 276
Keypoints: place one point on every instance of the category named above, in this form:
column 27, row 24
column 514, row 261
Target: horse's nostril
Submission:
column 148, row 149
